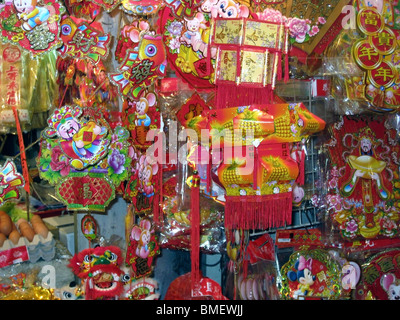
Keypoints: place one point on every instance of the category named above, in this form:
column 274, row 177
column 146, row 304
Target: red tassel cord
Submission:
column 195, row 231
column 24, row 164
column 258, row 212
column 301, row 179
column 279, row 71
column 209, row 167
column 158, row 198
column 255, row 171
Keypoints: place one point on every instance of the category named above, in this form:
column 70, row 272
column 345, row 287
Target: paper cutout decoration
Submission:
column 83, row 142
column 143, row 186
column 141, row 66
column 380, row 274
column 32, row 26
column 130, row 37
column 363, row 178
column 86, row 191
column 91, row 186
column 311, row 274
column 10, row 182
column 142, row 249
column 376, row 54
column 187, row 46
column 83, row 39
column 99, row 270
column 141, row 7
column 140, row 116
column 194, row 107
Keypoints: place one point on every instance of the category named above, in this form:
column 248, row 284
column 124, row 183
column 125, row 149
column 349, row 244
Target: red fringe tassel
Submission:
column 158, row 199
column 286, row 76
column 231, row 95
column 258, row 212
column 209, row 165
column 279, row 71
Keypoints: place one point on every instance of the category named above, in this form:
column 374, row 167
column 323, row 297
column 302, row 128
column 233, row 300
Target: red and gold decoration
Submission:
column 83, row 39
column 33, row 26
column 363, row 178
column 380, row 274
column 142, row 247
column 83, row 158
column 375, row 53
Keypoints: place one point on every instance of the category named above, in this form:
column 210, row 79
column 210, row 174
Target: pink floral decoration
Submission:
column 59, row 162
column 298, row 29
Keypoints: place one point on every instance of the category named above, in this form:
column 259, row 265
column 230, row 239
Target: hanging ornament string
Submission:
column 24, row 164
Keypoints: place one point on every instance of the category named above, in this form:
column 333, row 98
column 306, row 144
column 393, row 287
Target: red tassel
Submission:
column 258, row 212
column 157, row 199
column 209, row 166
column 301, row 178
column 156, row 209
column 232, row 95
column 279, row 71
column 255, row 171
column 195, row 231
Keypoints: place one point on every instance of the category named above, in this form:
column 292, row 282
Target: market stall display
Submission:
column 175, row 126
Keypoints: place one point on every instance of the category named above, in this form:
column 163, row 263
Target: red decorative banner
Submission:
column 80, row 191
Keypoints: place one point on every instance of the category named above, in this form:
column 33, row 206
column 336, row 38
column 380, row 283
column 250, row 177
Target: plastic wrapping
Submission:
column 380, row 272
column 29, row 85
column 254, row 278
column 360, row 199
column 317, row 274
column 363, row 68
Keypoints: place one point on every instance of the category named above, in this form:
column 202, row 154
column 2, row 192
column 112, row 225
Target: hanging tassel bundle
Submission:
column 232, row 95
column 259, row 211
column 195, row 230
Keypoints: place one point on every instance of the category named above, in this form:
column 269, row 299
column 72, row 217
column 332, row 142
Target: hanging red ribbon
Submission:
column 24, row 163
column 195, row 231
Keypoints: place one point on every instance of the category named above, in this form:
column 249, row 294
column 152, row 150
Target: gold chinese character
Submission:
column 370, row 18
column 384, row 73
column 371, row 274
column 386, row 264
column 87, row 194
column 367, row 52
column 385, row 38
column 83, row 43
